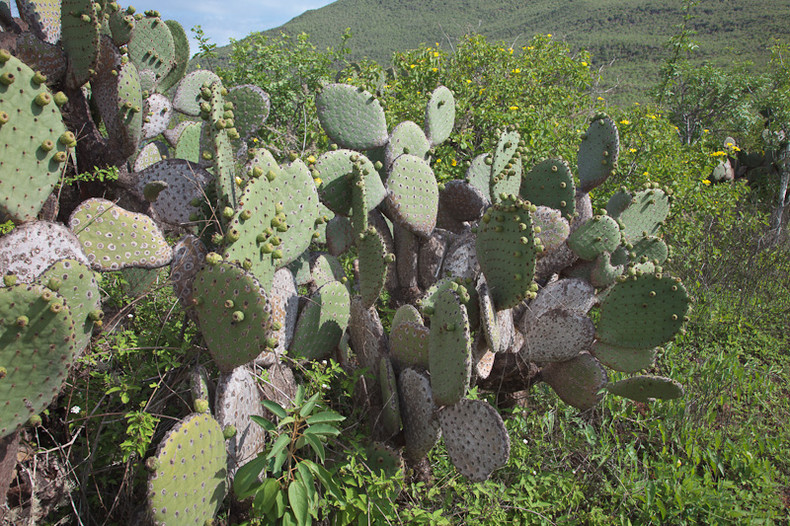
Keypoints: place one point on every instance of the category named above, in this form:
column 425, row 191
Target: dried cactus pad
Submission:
column 558, row 335
column 239, row 398
column 33, row 141
column 449, row 350
column 188, row 257
column 234, row 314
column 351, row 117
column 642, row 312
column 420, row 426
column 644, row 388
column 188, row 483
column 476, row 439
column 186, row 183
column 439, row 115
column 577, row 381
column 114, row 238
column 37, row 347
column 31, row 248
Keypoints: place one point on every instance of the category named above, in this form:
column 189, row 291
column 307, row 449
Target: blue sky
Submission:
column 225, row 19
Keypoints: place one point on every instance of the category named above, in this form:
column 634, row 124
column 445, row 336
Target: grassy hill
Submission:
column 625, row 37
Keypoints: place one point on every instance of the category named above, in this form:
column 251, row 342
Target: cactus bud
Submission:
column 9, row 280
column 200, row 405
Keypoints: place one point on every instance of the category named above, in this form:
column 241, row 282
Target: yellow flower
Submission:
column 651, row 116
column 412, row 66
column 584, row 64
column 317, row 181
column 706, row 130
column 311, row 159
column 706, row 182
column 438, row 161
column 625, row 122
column 435, row 53
column 632, row 150
column 454, row 162
column 434, row 69
column 718, row 154
column 646, row 173
column 600, row 98
column 549, row 35
column 349, row 79
column 530, row 47
column 437, row 44
column 513, row 108
column 636, row 104
column 510, row 50
column 255, row 139
column 517, row 70
column 481, row 91
column 468, row 81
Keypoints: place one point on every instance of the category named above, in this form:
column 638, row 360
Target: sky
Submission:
column 222, row 20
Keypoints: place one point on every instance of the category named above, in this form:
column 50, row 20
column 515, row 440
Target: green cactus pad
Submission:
column 488, row 319
column 618, row 202
column 599, row 234
column 603, row 273
column 31, row 248
column 43, row 17
column 646, row 388
column 554, row 229
column 642, row 311
column 383, row 459
column 439, row 116
column 78, row 286
column 295, row 192
column 409, row 345
column 121, row 24
column 189, row 483
column 325, row 268
column 322, row 322
column 181, row 56
column 598, row 153
column 479, row 175
column 238, row 399
column 351, row 117
column 339, row 235
column 148, row 155
column 413, row 199
column 648, row 209
column 461, row 202
column 420, row 425
column 506, row 168
column 80, row 33
column 200, row 385
column 406, row 313
column 623, row 359
column 578, row 381
column 120, row 101
column 33, row 143
column 337, row 170
column 157, row 111
column 187, row 98
column 223, row 290
column 250, row 108
column 391, row 415
column 188, row 257
column 187, row 146
column 186, row 183
column 37, row 347
column 651, row 248
column 558, row 335
column 114, row 238
column 408, row 138
column 476, row 439
column 550, row 183
column 372, row 266
column 152, row 47
column 506, row 249
column 449, row 353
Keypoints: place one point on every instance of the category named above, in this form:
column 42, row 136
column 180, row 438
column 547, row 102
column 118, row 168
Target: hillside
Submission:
column 625, row 36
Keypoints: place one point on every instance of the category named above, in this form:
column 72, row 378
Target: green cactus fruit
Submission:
column 550, row 183
column 409, row 345
column 420, row 425
column 413, row 198
column 41, row 56
column 114, row 238
column 439, row 116
column 250, row 108
column 488, row 318
column 577, row 381
column 642, row 312
column 232, row 343
column 152, row 47
column 31, row 248
column 337, row 171
column 506, row 249
column 476, row 439
column 383, row 459
column 321, row 323
column 598, row 153
column 35, row 354
column 372, row 266
column 554, row 228
column 646, row 388
column 625, row 359
column 80, row 33
column 180, row 56
column 190, row 479
column 30, row 146
column 78, row 286
column 406, row 313
column 406, row 137
column 157, row 112
column 200, row 406
column 238, row 399
column 558, row 335
column 449, row 351
column 648, row 210
column 597, row 235
column 150, row 154
column 479, row 175
column 186, row 183
column 43, row 18
column 506, row 168
column 351, row 117
column 391, row 414
column 188, row 94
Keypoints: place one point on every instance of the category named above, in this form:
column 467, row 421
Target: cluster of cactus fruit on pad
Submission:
column 495, row 276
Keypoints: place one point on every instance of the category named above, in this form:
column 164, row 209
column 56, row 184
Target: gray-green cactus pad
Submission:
column 577, row 381
column 644, row 388
column 189, row 482
column 479, row 175
column 558, row 335
column 351, row 117
column 420, row 425
column 406, row 313
column 284, row 300
column 37, row 347
column 413, row 200
column 625, row 359
column 488, row 318
column 188, row 257
column 648, row 209
column 234, row 314
column 476, row 439
column 372, row 266
column 598, row 153
column 552, row 228
column 338, row 170
column 186, row 183
column 114, row 238
column 449, row 349
column 439, row 115
column 391, row 414
column 599, row 234
column 408, row 138
column 31, row 248
column 409, row 345
column 550, row 183
column 642, row 312
column 322, row 322
column 187, row 98
column 239, row 398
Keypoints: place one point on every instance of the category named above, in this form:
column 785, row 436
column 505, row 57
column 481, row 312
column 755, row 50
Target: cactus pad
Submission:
column 409, row 345
column 80, row 33
column 599, row 234
column 449, row 353
column 558, row 335
column 188, row 257
column 623, row 359
column 250, row 108
column 391, row 415
column 337, row 170
column 479, row 175
column 152, row 46
column 351, row 117
column 413, row 200
column 598, row 153
column 186, row 183
column 420, row 426
column 645, row 388
column 648, row 209
column 554, row 229
column 550, row 183
column 439, row 115
column 31, row 248
column 372, row 266
column 43, row 17
column 181, row 56
column 322, row 322
column 187, row 98
column 577, row 381
column 238, row 398
column 408, row 138
column 157, row 111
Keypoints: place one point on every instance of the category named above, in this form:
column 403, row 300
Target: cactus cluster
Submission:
column 491, row 272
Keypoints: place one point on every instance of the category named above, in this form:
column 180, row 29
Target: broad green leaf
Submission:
column 308, row 407
column 285, row 421
column 265, row 424
column 267, row 495
column 316, row 445
column 279, row 445
column 327, row 480
column 297, row 498
column 245, row 483
column 299, row 398
column 322, row 429
column 325, row 417
column 274, row 408
column 279, row 460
